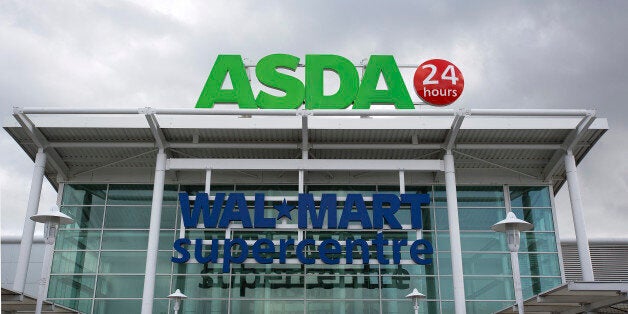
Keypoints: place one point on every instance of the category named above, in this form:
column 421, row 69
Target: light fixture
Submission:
column 51, row 220
column 512, row 227
column 177, row 297
column 415, row 296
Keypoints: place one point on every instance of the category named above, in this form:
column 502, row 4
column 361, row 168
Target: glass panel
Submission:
column 76, row 262
column 480, row 218
column 130, row 194
column 129, row 286
column 397, row 287
column 122, row 262
column 541, row 218
column 168, row 217
column 77, row 286
column 207, row 306
column 192, row 268
column 77, row 240
column 166, row 239
column 124, row 240
column 405, row 306
column 353, row 269
column 164, row 264
column 341, row 190
column 481, row 241
column 472, row 196
column 207, row 286
column 266, row 307
column 441, row 218
column 162, row 306
column 267, row 286
column 193, row 189
column 488, row 288
column 269, row 190
column 84, row 194
column 127, row 217
column 538, row 242
column 88, row 217
column 486, row 264
column 532, row 264
column 529, row 196
column 345, row 306
column 84, row 306
column 444, row 263
column 408, row 269
column 487, row 307
column 446, row 288
column 342, row 287
column 534, row 285
column 117, row 306
column 442, row 242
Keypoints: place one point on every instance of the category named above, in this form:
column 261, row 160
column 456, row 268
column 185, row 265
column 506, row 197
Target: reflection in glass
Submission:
column 85, row 217
column 541, row 218
column 127, row 217
column 472, row 196
column 529, row 196
column 74, row 262
column 84, row 194
column 75, row 286
column 77, row 240
column 488, row 288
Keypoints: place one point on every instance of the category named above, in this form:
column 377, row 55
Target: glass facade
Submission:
column 99, row 260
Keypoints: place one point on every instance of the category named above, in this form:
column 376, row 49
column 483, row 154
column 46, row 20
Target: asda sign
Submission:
column 437, row 82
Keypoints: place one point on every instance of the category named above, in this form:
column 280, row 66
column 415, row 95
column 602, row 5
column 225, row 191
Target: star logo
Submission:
column 284, row 210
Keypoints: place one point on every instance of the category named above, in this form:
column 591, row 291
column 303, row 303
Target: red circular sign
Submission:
column 438, row 82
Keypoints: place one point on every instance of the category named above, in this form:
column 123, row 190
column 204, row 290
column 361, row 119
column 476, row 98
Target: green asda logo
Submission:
column 362, row 94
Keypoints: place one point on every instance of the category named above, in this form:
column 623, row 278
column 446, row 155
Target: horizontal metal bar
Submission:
column 373, row 146
column 509, row 146
column 295, row 145
column 237, row 145
column 281, row 112
column 57, row 110
column 531, row 112
column 301, row 164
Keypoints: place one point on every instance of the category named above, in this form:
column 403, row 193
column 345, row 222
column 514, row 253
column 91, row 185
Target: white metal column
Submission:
column 454, row 233
column 29, row 225
column 153, row 234
column 578, row 217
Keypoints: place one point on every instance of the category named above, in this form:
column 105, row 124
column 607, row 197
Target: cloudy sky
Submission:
column 528, row 54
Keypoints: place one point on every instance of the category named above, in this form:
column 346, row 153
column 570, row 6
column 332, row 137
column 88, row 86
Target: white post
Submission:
column 516, row 276
column 454, row 234
column 578, row 217
column 29, row 225
column 153, row 234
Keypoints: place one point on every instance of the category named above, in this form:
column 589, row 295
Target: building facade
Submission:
column 122, row 175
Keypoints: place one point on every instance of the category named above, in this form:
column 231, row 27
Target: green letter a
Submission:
column 397, row 92
column 241, row 94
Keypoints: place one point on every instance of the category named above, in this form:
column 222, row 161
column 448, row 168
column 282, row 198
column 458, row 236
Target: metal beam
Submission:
column 257, row 145
column 155, row 129
column 570, row 142
column 450, row 139
column 280, row 112
column 591, row 307
column 41, row 141
column 301, row 164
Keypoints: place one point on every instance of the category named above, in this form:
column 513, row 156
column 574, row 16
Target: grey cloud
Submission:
column 515, row 54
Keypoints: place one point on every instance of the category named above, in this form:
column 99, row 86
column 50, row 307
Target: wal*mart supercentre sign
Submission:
column 226, row 210
column 437, row 82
